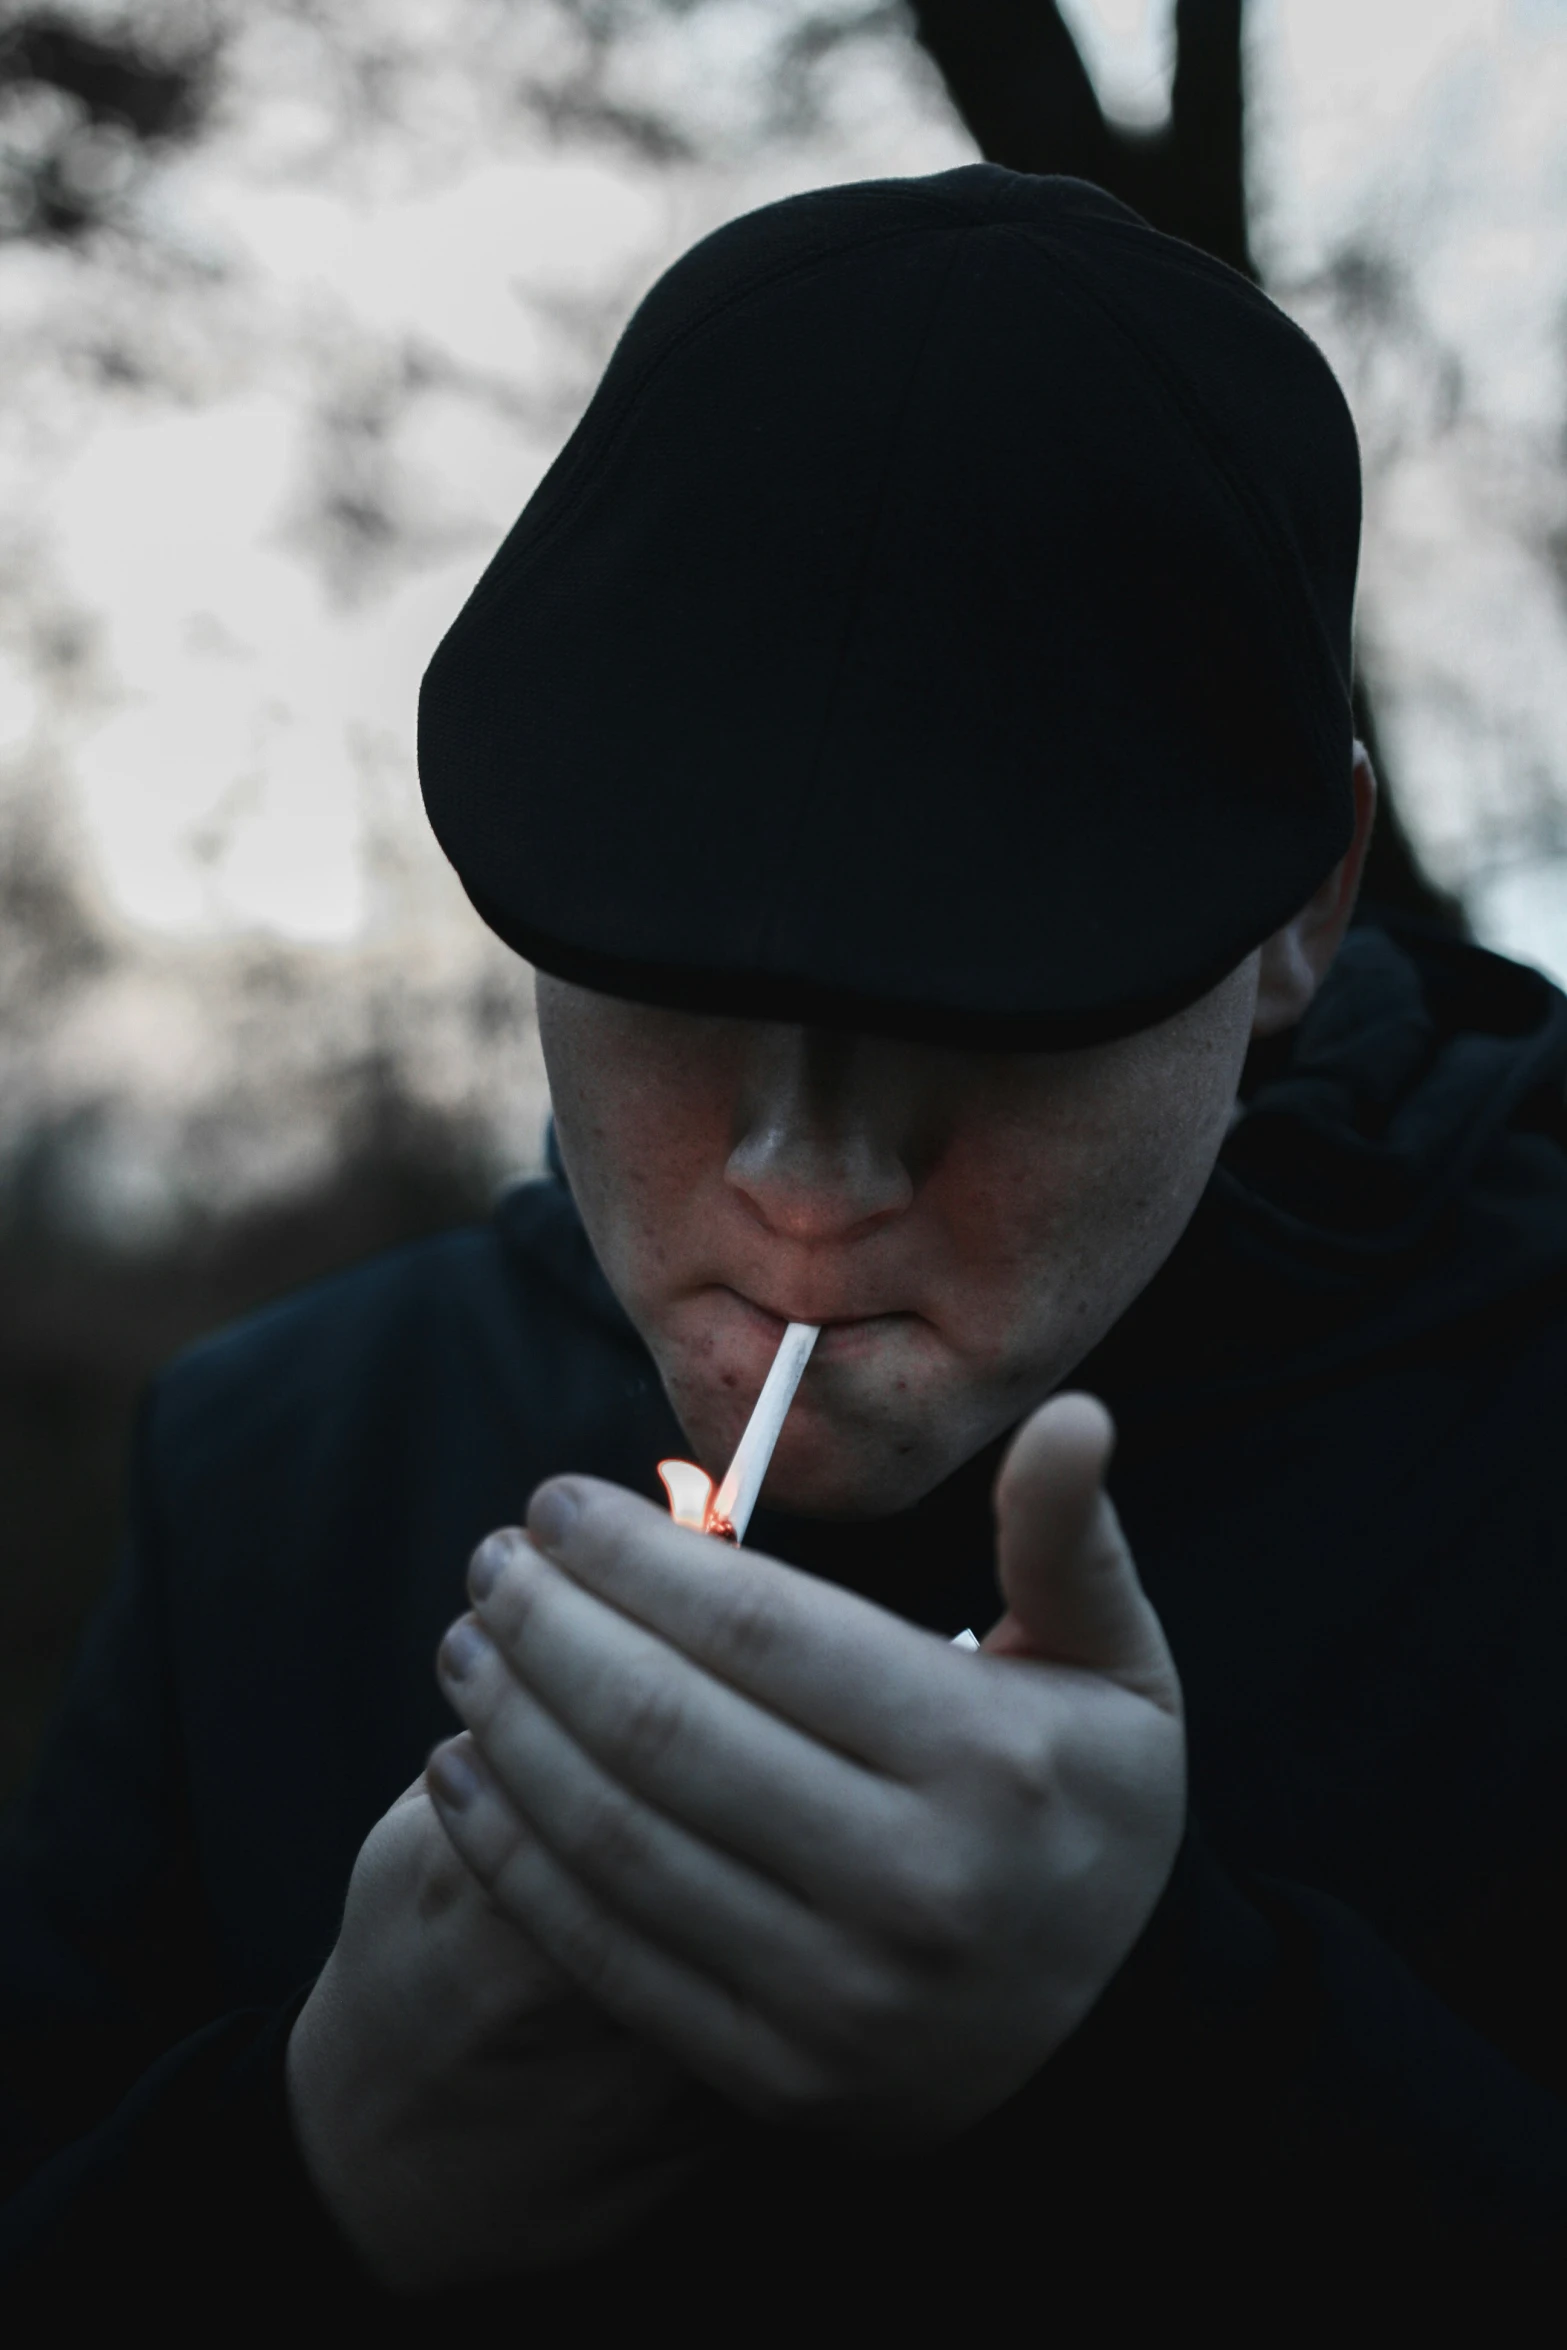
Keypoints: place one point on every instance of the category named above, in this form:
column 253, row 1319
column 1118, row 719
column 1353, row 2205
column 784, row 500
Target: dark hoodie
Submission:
column 1336, row 2057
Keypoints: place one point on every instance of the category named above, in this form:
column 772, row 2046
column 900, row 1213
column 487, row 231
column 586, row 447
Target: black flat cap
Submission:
column 939, row 623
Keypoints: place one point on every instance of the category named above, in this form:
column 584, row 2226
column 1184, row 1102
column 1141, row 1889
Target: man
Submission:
column 909, row 731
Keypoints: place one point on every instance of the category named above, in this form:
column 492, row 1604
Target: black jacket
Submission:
column 1339, row 2049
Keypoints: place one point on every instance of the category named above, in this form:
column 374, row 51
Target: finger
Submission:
column 696, row 2019
column 689, row 1894
column 461, row 1785
column 1072, row 1591
column 455, row 1778
column 824, row 1659
column 669, row 1792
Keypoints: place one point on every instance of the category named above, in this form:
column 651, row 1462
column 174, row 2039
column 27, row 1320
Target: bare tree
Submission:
column 1013, row 71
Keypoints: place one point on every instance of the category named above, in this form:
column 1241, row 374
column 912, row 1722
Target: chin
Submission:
column 851, row 1474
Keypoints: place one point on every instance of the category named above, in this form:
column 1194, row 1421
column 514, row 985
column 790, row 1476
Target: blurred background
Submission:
column 298, row 298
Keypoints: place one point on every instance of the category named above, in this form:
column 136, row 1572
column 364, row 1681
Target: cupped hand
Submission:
column 461, row 2112
column 839, row 1870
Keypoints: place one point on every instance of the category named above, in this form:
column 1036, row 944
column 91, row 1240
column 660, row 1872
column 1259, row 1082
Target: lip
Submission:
column 840, row 1333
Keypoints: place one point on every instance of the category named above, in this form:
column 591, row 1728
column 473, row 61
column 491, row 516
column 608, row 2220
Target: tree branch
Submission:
column 1205, row 149
column 1013, row 72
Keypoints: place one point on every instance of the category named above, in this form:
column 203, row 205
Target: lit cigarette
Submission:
column 727, row 1513
column 736, row 1497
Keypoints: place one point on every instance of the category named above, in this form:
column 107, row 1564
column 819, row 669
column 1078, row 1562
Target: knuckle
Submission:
column 651, row 1723
column 583, row 1946
column 606, row 1839
column 510, row 1882
column 747, row 1624
column 1025, row 1768
column 935, row 1908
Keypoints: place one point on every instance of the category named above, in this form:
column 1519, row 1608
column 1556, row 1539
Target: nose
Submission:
column 819, row 1148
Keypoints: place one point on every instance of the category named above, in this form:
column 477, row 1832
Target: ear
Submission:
column 1292, row 964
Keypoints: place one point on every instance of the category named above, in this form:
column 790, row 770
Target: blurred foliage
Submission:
column 83, row 1324
column 119, row 1247
column 83, row 100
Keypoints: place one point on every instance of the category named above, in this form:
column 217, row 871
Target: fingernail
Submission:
column 453, row 1779
column 552, row 1514
column 465, row 1644
column 486, row 1564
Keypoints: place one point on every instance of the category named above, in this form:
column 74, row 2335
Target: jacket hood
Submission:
column 1399, row 1167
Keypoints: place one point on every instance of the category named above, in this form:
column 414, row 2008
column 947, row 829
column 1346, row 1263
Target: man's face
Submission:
column 965, row 1226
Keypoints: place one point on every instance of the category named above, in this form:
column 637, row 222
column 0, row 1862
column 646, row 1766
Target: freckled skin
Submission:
column 986, row 1216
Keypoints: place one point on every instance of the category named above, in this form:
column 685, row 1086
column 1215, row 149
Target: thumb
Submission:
column 1071, row 1589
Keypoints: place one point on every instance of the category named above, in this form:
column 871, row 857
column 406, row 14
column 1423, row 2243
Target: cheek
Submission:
column 1054, row 1231
column 632, row 1180
column 1028, row 1246
column 642, row 1141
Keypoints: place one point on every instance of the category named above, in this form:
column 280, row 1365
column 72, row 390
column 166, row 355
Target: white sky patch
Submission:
column 18, row 706
column 1426, row 140
column 1129, row 48
column 219, row 793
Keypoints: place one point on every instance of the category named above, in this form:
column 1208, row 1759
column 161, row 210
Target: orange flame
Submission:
column 691, row 1491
